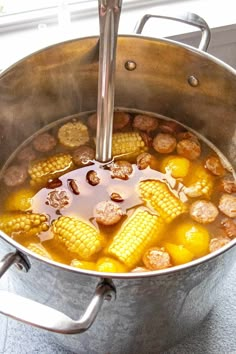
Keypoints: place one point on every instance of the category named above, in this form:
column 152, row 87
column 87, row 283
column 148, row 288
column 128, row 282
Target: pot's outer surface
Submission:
column 149, row 314
column 153, row 312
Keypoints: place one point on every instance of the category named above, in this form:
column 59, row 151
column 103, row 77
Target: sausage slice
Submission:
column 164, row 143
column 217, row 243
column 83, row 156
column 15, row 175
column 227, row 205
column 27, row 154
column 203, row 211
column 121, row 169
column 145, row 123
column 214, row 165
column 107, row 213
column 44, row 142
column 189, row 148
column 156, row 258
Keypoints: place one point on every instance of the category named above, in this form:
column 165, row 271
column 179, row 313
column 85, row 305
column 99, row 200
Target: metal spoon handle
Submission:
column 109, row 15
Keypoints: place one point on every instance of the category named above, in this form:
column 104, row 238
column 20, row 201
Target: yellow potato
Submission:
column 20, row 200
column 178, row 253
column 107, row 264
column 195, row 238
column 176, row 165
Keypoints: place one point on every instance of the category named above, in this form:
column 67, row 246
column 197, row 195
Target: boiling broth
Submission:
column 167, row 165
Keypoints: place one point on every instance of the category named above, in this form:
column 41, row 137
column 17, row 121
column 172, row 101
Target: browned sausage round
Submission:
column 145, row 123
column 228, row 186
column 120, row 121
column 164, row 143
column 121, row 169
column 144, row 160
column 217, row 243
column 203, row 211
column 186, row 135
column 27, row 154
column 229, row 227
column 214, row 165
column 156, row 258
column 92, row 121
column 170, row 127
column 83, row 155
column 189, row 148
column 15, row 175
column 227, row 205
column 107, row 213
column 44, row 142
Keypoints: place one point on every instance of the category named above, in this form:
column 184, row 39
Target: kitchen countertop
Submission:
column 216, row 335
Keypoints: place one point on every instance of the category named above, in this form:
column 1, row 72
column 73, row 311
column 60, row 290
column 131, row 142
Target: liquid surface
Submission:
column 187, row 192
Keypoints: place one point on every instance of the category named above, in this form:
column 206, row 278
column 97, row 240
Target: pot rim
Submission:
column 129, row 275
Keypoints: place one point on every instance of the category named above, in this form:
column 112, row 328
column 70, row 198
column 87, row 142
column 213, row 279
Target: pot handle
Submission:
column 45, row 317
column 186, row 17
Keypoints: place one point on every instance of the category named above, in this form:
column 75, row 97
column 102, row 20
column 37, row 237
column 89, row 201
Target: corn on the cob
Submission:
column 127, row 143
column 200, row 183
column 77, row 236
column 73, row 134
column 20, row 200
column 139, row 232
column 23, row 224
column 39, row 249
column 160, row 198
column 54, row 166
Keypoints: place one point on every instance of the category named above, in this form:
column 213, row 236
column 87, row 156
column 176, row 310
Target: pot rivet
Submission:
column 193, row 81
column 130, row 65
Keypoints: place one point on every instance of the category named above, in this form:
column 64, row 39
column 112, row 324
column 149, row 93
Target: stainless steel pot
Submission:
column 152, row 310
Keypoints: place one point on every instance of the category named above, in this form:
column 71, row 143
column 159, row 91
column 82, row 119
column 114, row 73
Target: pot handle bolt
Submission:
column 188, row 18
column 43, row 316
column 16, row 258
